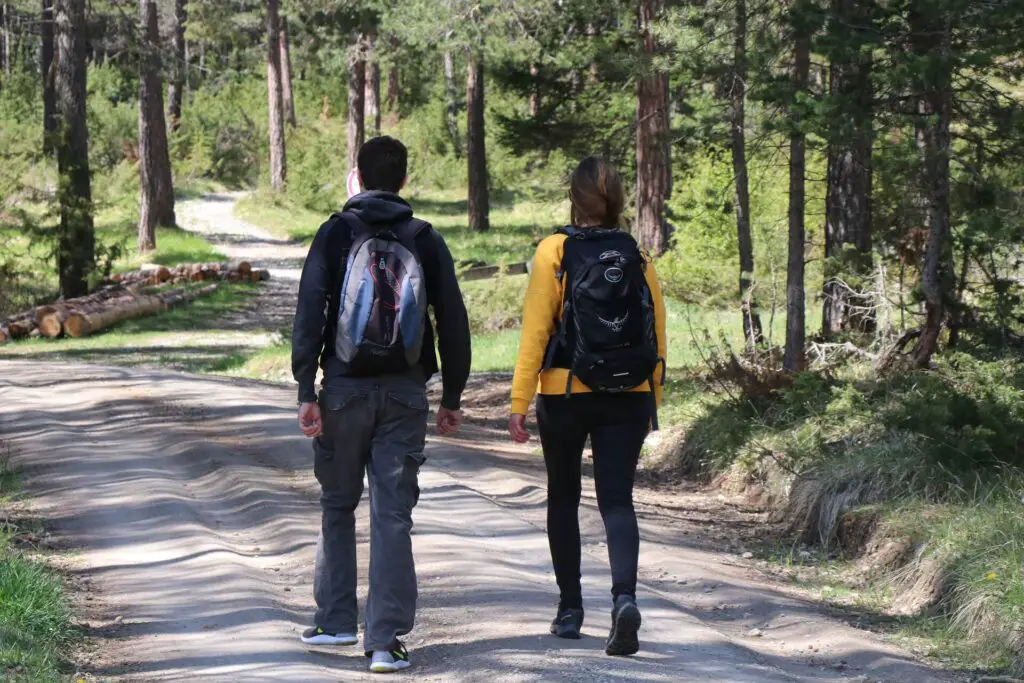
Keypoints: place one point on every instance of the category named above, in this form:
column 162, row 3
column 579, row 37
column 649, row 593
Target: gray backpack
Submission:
column 382, row 308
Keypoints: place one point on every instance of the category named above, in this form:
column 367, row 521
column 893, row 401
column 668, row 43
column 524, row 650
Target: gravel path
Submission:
column 212, row 215
column 193, row 504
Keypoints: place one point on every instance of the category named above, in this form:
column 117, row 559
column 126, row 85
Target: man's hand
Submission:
column 517, row 428
column 448, row 421
column 309, row 420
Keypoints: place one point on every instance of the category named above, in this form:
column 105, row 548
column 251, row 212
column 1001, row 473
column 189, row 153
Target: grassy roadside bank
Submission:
column 35, row 614
column 897, row 496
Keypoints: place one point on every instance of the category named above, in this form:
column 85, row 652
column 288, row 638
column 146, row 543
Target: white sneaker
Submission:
column 390, row 661
column 318, row 636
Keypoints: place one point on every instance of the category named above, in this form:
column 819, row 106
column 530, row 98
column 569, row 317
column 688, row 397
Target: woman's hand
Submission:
column 517, row 428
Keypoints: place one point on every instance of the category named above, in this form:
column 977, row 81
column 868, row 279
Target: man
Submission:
column 370, row 275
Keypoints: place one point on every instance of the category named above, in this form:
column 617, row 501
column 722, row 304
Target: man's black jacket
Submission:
column 316, row 316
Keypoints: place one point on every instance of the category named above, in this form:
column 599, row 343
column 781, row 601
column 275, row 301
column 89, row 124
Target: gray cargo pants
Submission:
column 376, row 425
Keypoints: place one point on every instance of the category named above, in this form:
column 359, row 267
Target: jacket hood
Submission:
column 376, row 207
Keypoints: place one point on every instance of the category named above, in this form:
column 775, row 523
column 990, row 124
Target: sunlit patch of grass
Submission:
column 35, row 615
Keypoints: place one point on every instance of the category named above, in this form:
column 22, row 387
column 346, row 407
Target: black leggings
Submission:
column 616, row 425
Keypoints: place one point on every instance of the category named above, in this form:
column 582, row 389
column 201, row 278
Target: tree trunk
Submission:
column 595, row 76
column 46, row 71
column 451, row 111
column 534, row 92
column 393, row 87
column 275, row 95
column 179, row 74
column 356, row 104
column 157, row 204
column 848, row 211
column 752, row 331
column 77, row 242
column 653, row 182
column 479, row 199
column 5, row 37
column 931, row 41
column 286, row 75
column 794, row 358
column 373, row 85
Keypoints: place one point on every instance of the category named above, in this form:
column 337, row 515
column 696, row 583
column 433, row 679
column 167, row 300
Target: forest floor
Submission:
column 191, row 506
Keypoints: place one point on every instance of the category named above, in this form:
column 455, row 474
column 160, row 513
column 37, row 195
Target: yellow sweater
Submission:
column 542, row 311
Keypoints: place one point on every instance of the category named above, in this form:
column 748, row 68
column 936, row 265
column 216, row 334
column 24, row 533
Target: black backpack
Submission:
column 607, row 335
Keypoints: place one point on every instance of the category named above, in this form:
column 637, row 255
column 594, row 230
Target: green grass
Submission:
column 174, row 246
column 280, row 216
column 979, row 543
column 495, row 352
column 515, row 222
column 35, row 614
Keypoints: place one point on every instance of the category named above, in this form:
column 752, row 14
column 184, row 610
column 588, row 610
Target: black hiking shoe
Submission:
column 568, row 624
column 623, row 640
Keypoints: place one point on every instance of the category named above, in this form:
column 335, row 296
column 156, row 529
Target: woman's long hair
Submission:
column 595, row 191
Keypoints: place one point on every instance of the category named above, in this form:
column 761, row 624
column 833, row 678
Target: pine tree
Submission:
column 653, row 161
column 752, row 332
column 286, row 75
column 373, row 83
column 848, row 206
column 356, row 102
column 931, row 42
column 46, row 70
column 794, row 358
column 157, row 202
column 76, row 239
column 179, row 71
column 451, row 109
column 479, row 180
column 275, row 95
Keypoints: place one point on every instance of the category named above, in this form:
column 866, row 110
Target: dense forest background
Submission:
column 847, row 171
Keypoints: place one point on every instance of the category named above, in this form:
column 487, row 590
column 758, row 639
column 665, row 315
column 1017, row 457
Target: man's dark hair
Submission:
column 383, row 164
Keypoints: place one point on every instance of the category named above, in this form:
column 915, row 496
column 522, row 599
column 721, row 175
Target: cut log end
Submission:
column 20, row 329
column 76, row 326
column 51, row 326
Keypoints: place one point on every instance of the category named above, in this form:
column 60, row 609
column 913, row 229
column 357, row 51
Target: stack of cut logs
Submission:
column 191, row 272
column 132, row 295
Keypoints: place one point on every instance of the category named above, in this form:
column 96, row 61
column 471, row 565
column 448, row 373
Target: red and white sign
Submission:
column 352, row 184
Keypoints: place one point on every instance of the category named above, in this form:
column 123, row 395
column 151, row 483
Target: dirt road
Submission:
column 212, row 216
column 193, row 504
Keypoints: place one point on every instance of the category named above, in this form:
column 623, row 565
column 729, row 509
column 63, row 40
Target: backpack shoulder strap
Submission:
column 409, row 232
column 415, row 226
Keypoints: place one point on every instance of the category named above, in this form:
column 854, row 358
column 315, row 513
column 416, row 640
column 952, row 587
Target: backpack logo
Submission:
column 606, row 336
column 617, row 324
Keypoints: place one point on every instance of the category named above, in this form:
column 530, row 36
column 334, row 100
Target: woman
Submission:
column 576, row 401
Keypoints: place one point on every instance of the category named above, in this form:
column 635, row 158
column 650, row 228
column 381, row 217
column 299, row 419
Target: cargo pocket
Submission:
column 410, row 411
column 412, row 474
column 325, row 466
